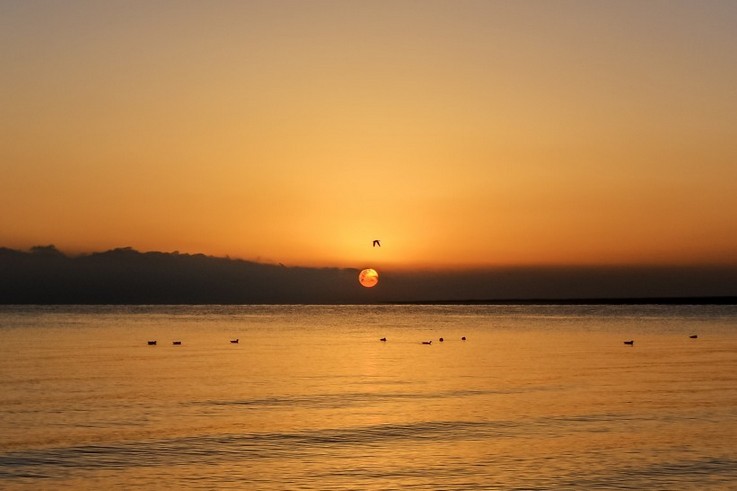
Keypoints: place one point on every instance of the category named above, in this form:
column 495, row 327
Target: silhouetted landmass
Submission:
column 44, row 275
column 125, row 276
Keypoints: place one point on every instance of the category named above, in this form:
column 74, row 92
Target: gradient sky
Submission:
column 460, row 133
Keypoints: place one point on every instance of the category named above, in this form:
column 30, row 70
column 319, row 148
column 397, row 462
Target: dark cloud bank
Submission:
column 44, row 275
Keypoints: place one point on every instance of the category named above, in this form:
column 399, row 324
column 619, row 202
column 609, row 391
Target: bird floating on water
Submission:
column 631, row 342
column 694, row 336
column 382, row 339
column 441, row 340
column 377, row 242
column 176, row 343
column 152, row 343
column 427, row 342
column 463, row 338
column 234, row 341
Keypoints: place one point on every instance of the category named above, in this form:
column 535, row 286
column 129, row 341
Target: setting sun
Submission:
column 368, row 278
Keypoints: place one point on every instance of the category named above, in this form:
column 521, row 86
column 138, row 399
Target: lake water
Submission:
column 537, row 397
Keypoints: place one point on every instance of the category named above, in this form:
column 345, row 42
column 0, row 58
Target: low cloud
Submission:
column 45, row 275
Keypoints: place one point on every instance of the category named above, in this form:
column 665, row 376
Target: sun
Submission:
column 368, row 277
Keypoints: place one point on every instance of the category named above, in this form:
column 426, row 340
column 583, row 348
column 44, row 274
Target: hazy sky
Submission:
column 460, row 133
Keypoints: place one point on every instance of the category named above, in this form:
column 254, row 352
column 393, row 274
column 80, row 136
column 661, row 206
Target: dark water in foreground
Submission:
column 538, row 397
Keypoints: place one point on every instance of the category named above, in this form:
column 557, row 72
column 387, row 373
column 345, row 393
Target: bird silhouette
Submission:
column 377, row 243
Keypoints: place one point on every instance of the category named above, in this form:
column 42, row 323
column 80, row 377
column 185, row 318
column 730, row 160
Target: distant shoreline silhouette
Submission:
column 125, row 276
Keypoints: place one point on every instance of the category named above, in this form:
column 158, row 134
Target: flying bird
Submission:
column 377, row 243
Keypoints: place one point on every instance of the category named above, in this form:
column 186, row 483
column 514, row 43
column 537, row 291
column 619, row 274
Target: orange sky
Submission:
column 460, row 133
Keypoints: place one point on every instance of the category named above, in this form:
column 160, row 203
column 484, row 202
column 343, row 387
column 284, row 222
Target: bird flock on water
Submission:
column 153, row 342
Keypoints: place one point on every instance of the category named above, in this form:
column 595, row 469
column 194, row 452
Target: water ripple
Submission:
column 358, row 398
column 288, row 446
column 179, row 451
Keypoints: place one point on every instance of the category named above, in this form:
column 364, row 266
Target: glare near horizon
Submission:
column 461, row 134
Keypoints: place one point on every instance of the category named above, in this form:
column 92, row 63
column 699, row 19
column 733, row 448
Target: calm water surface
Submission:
column 537, row 397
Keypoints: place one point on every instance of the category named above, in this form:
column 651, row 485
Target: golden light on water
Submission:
column 368, row 278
